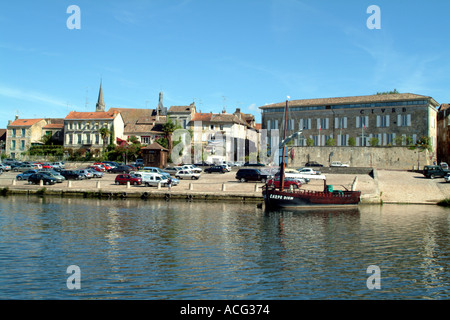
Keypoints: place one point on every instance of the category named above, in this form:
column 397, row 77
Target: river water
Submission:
column 135, row 249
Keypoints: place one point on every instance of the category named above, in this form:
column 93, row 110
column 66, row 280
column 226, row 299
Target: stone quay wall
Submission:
column 398, row 158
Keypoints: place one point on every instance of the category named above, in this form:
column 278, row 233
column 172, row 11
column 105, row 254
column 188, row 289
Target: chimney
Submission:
column 17, row 117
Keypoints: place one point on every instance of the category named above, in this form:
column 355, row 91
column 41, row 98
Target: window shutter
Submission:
column 366, row 119
column 399, row 120
column 378, row 121
column 408, row 120
column 387, row 120
column 357, row 122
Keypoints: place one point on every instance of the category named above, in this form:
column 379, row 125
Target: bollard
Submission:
column 69, row 184
column 128, row 185
column 256, row 187
column 14, row 182
column 41, row 183
column 223, row 187
column 98, row 184
column 159, row 185
column 191, row 186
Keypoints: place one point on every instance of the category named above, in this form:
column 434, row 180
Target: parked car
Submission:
column 187, row 174
column 152, row 179
column 432, row 172
column 249, row 164
column 447, row 177
column 203, row 164
column 192, row 167
column 313, row 164
column 212, row 169
column 59, row 165
column 59, row 178
column 5, row 167
column 88, row 174
column 294, row 175
column 120, row 169
column 72, row 175
column 124, row 178
column 25, row 175
column 172, row 170
column 308, row 171
column 288, row 182
column 338, row 164
column 95, row 173
column 24, row 167
column 111, row 164
column 244, row 175
column 37, row 177
column 156, row 170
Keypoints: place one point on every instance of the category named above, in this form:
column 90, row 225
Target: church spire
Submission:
column 100, row 106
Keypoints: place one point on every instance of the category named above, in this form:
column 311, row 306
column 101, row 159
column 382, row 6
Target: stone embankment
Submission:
column 377, row 186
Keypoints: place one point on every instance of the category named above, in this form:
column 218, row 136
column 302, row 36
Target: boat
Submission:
column 280, row 197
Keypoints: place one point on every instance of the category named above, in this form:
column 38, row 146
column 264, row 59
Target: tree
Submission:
column 104, row 133
column 373, row 142
column 422, row 144
column 330, row 142
column 310, row 142
column 351, row 142
column 168, row 128
column 388, row 92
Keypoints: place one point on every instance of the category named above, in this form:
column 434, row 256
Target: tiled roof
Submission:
column 350, row 100
column 24, row 122
column 2, row 134
column 74, row 115
column 54, row 126
column 258, row 126
column 131, row 115
column 180, row 109
column 155, row 146
column 202, row 117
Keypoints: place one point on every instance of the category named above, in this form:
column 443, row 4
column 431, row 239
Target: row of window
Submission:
column 83, row 139
column 382, row 139
column 80, row 125
column 22, row 145
column 382, row 121
column 349, row 106
column 14, row 132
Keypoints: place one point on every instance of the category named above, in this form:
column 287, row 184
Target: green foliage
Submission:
column 330, row 142
column 422, row 144
column 444, row 203
column 373, row 142
column 351, row 142
column 388, row 92
column 310, row 142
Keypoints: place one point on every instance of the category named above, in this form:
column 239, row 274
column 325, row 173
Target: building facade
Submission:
column 83, row 129
column 443, row 125
column 375, row 120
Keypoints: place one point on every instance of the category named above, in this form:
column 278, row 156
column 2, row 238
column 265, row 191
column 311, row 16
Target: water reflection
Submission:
column 195, row 250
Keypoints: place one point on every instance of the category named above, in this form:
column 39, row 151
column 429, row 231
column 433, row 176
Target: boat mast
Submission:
column 283, row 146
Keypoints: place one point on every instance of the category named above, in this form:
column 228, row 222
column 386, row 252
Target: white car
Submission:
column 338, row 164
column 187, row 174
column 192, row 168
column 308, row 171
column 152, row 179
column 447, row 178
column 172, row 170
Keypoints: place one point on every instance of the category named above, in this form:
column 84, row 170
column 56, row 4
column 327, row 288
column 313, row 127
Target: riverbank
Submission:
column 382, row 186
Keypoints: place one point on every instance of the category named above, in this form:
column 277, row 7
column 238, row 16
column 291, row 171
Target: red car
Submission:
column 97, row 168
column 287, row 183
column 103, row 165
column 124, row 178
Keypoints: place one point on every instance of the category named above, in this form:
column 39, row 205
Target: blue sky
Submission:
column 229, row 53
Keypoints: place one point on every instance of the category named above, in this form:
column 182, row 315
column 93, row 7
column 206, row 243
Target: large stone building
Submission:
column 24, row 133
column 443, row 125
column 383, row 120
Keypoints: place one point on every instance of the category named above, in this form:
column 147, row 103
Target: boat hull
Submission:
column 274, row 198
